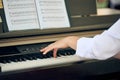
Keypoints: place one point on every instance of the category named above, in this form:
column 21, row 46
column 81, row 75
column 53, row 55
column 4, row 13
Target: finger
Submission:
column 47, row 50
column 55, row 52
column 42, row 50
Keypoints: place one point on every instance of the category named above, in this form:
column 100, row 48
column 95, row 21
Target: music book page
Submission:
column 20, row 14
column 35, row 14
column 52, row 14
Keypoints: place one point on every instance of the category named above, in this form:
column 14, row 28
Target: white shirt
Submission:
column 101, row 46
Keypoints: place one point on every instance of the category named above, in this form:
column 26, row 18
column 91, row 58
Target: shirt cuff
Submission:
column 84, row 48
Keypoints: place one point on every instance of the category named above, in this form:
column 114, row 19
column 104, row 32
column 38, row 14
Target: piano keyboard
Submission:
column 37, row 60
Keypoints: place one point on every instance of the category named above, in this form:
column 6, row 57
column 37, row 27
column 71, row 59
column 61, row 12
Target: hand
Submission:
column 55, row 46
column 70, row 41
column 117, row 55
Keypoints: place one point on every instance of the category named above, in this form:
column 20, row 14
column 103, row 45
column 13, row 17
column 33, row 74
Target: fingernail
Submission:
column 44, row 53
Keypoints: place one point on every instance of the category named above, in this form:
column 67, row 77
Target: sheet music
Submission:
column 21, row 14
column 35, row 14
column 52, row 14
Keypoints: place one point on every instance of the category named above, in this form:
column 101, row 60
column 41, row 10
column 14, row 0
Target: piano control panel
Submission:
column 32, row 48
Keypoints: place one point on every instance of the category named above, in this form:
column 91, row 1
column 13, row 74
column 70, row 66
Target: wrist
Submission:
column 71, row 41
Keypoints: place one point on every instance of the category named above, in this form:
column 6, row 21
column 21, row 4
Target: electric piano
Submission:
column 29, row 56
column 20, row 56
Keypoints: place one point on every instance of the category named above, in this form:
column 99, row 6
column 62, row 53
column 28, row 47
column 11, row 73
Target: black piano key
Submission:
column 58, row 55
column 23, row 59
column 13, row 58
column 32, row 56
column 72, row 52
column 68, row 53
column 4, row 61
column 20, row 60
column 27, row 57
column 16, row 58
column 49, row 55
column 64, row 53
column 45, row 56
column 38, row 55
column 8, row 61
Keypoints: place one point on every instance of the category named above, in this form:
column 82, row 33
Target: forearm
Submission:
column 102, row 46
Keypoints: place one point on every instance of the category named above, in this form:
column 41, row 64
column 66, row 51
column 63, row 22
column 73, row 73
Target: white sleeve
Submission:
column 101, row 46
